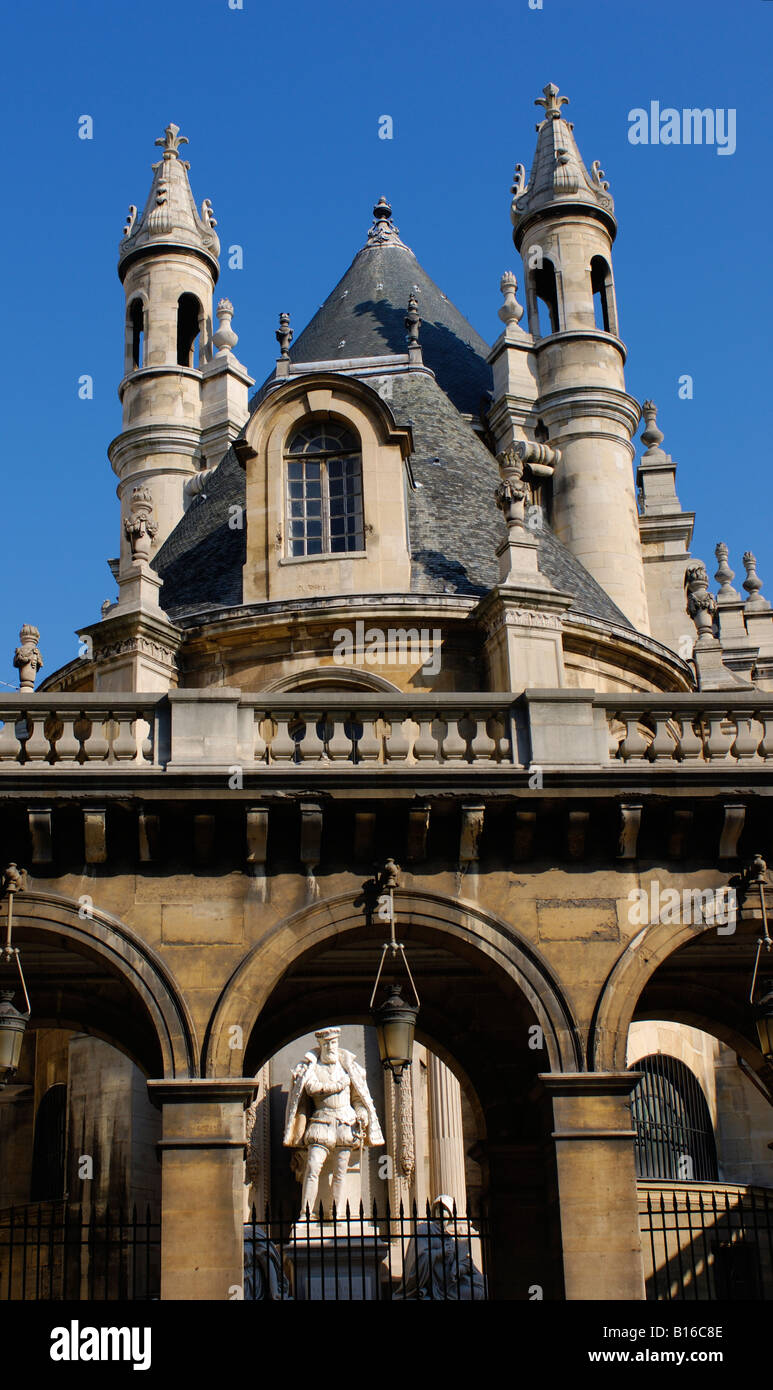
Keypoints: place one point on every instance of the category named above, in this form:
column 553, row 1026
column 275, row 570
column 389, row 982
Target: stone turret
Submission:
column 183, row 399
column 563, row 227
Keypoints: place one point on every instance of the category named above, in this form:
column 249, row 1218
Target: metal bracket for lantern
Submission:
column 395, row 1018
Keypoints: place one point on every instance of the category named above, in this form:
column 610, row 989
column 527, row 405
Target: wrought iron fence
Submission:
column 440, row 1255
column 52, row 1252
column 707, row 1243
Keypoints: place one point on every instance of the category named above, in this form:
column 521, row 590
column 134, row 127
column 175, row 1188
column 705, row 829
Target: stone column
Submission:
column 595, row 1183
column 202, row 1178
column 445, row 1134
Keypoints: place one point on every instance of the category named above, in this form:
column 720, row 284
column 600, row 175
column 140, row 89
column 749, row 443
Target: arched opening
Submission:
column 78, row 1131
column 189, row 314
column 49, row 1153
column 686, row 994
column 494, row 1027
column 674, row 1132
column 137, row 333
column 546, row 297
column 603, row 295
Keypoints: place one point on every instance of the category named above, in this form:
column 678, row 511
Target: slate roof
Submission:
column 454, row 523
column 365, row 317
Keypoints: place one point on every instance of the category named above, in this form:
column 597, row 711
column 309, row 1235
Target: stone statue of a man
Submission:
column 329, row 1111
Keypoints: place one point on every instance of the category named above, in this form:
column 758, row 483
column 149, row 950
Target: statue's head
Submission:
column 328, row 1043
column 443, row 1209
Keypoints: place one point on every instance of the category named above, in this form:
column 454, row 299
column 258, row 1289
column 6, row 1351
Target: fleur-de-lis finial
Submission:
column 551, row 101
column 172, row 140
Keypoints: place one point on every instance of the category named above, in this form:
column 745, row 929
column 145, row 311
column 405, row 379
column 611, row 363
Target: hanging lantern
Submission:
column 763, row 1018
column 395, row 1021
column 394, row 1017
column 12, row 1026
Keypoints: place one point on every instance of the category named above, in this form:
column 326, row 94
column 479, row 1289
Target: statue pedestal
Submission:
column 337, row 1262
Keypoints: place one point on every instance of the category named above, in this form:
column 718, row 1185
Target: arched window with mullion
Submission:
column 323, row 491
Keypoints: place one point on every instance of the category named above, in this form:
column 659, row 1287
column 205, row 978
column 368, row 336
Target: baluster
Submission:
column 454, row 745
column 663, row 746
column 634, row 746
column 37, row 746
column 67, row 746
column 766, row 747
column 425, row 749
column 259, row 743
column 396, row 743
column 340, row 747
column 718, row 742
column 96, row 746
column 124, row 741
column 311, row 746
column 747, row 739
column 10, row 743
column 369, row 743
column 282, row 745
column 144, row 732
column 482, row 746
column 501, row 736
column 690, row 741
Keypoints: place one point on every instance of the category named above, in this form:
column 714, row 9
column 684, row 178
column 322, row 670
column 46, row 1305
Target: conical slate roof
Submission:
column 558, row 175
column 365, row 317
column 170, row 217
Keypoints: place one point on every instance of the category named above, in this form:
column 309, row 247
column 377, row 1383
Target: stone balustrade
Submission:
column 372, row 731
column 199, row 730
column 74, row 731
column 690, row 730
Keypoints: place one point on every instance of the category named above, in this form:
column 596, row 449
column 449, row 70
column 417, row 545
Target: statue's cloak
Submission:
column 300, row 1106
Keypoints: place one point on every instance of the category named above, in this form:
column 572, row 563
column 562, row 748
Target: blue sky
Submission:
column 281, row 105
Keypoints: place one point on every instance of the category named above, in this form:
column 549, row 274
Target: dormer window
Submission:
column 323, row 491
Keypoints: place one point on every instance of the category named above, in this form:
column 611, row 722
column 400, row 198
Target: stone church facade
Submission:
column 413, row 598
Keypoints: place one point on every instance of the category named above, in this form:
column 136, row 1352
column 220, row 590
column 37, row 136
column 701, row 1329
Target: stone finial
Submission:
column 752, row 583
column 284, row 336
column 651, row 435
column 723, row 574
column 412, row 322
column 139, row 525
column 171, row 140
column 27, row 658
column 383, row 232
column 389, row 876
column 551, row 101
column 14, row 879
column 513, row 490
column 511, row 311
column 701, row 605
column 224, row 339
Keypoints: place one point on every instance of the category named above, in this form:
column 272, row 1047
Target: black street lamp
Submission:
column 394, row 1017
column 12, row 1021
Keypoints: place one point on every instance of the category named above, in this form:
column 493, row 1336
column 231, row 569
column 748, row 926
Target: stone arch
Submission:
column 331, row 678
column 490, row 940
column 623, row 988
column 47, row 920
